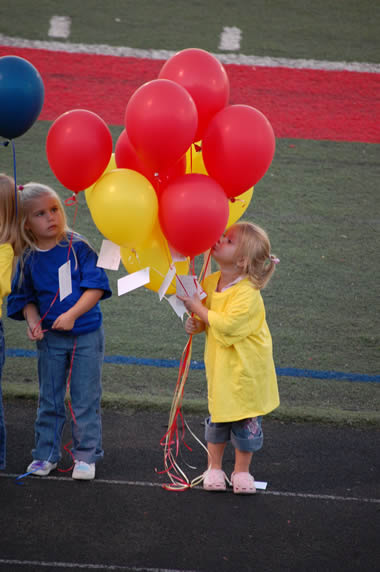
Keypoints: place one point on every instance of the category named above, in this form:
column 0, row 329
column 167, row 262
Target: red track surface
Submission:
column 302, row 104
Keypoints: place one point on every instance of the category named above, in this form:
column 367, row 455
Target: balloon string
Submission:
column 171, row 441
column 14, row 174
column 68, row 258
column 5, row 144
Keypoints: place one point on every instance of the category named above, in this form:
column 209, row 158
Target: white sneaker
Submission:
column 41, row 468
column 84, row 471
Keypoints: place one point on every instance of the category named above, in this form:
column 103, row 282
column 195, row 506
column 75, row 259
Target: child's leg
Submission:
column 242, row 461
column 86, row 392
column 216, row 435
column 2, row 421
column 246, row 437
column 215, row 455
column 51, row 413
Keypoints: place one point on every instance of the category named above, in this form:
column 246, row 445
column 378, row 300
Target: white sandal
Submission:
column 214, row 480
column 243, row 483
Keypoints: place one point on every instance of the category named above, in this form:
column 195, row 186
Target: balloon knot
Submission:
column 71, row 200
column 232, row 199
column 197, row 147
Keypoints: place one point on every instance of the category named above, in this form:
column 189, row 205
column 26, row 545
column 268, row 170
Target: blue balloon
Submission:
column 21, row 96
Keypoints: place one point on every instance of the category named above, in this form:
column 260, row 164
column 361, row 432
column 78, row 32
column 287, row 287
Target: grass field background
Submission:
column 319, row 203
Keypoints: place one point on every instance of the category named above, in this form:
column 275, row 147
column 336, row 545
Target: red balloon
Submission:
column 238, row 148
column 193, row 213
column 79, row 148
column 205, row 79
column 127, row 158
column 161, row 120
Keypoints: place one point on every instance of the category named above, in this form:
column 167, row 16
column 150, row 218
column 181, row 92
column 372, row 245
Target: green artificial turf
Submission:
column 319, row 204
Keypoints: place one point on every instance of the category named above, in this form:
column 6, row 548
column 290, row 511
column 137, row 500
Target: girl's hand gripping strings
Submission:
column 87, row 301
column 195, row 306
column 194, row 326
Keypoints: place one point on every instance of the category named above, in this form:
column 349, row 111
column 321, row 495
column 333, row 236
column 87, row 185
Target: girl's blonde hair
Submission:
column 254, row 250
column 10, row 215
column 29, row 193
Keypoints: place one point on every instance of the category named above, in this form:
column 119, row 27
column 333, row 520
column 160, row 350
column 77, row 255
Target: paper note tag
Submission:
column 177, row 305
column 187, row 285
column 109, row 255
column 166, row 282
column 176, row 256
column 64, row 279
column 260, row 485
column 133, row 281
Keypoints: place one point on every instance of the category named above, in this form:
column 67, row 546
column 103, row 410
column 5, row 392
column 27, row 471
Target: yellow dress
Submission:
column 6, row 264
column 239, row 363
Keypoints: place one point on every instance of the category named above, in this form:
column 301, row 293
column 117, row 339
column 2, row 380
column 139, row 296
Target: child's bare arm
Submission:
column 87, row 301
column 33, row 319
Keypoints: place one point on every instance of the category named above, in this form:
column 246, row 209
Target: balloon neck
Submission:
column 198, row 148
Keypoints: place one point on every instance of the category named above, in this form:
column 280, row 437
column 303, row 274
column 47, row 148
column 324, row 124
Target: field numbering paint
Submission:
column 230, row 39
column 60, row 27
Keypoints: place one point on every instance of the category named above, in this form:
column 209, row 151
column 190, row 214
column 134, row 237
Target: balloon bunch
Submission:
column 183, row 168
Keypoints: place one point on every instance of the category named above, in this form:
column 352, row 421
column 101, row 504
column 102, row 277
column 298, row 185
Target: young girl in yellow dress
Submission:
column 10, row 246
column 241, row 377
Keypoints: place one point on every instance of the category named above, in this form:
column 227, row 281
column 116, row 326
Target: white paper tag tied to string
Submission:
column 109, row 256
column 166, row 282
column 133, row 281
column 188, row 285
column 64, row 280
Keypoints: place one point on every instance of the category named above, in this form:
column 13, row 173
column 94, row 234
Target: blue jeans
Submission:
column 3, row 434
column 54, row 358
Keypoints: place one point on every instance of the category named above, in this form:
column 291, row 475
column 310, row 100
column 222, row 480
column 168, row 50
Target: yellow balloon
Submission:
column 124, row 207
column 154, row 253
column 194, row 161
column 111, row 165
column 238, row 206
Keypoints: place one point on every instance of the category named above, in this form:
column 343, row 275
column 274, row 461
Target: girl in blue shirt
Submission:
column 68, row 332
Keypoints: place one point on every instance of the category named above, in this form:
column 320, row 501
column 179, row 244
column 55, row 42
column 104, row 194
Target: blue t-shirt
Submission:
column 40, row 284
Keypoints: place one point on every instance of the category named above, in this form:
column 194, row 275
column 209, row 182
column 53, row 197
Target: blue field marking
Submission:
column 173, row 363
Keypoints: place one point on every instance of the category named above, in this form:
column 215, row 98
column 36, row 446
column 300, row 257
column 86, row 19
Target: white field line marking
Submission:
column 230, row 39
column 240, row 59
column 54, row 565
column 60, row 27
column 314, row 496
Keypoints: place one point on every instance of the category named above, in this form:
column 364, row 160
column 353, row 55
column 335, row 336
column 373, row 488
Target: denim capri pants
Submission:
column 245, row 435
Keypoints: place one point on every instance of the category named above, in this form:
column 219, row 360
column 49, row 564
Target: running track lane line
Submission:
column 147, row 484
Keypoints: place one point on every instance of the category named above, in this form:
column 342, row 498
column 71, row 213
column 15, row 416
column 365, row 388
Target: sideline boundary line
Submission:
column 147, row 484
column 172, row 363
column 152, row 54
column 86, row 566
